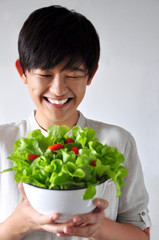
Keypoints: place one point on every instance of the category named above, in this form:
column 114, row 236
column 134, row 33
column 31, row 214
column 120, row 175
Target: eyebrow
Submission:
column 74, row 68
column 71, row 68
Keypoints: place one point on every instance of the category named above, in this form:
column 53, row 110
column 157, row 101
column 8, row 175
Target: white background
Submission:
column 125, row 90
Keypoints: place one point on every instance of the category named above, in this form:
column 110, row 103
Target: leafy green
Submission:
column 62, row 169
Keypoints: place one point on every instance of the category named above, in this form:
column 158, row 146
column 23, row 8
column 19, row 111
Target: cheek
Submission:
column 79, row 89
column 82, row 91
column 35, row 88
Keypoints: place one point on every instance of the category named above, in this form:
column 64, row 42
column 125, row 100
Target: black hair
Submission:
column 53, row 34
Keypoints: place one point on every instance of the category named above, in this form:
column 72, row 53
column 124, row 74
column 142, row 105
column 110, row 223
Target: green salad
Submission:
column 59, row 161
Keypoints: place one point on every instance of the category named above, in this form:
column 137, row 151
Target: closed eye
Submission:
column 44, row 75
column 74, row 77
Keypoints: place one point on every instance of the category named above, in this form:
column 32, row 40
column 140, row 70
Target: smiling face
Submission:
column 57, row 92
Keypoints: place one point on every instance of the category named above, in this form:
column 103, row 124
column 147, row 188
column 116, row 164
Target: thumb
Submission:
column 100, row 203
column 49, row 218
column 21, row 190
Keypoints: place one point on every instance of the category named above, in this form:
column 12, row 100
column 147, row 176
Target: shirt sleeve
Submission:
column 134, row 199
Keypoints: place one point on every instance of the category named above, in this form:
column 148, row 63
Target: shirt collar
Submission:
column 34, row 125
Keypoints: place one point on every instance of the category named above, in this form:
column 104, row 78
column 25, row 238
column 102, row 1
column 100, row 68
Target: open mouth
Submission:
column 57, row 102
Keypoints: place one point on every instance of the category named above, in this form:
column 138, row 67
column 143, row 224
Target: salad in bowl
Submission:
column 61, row 162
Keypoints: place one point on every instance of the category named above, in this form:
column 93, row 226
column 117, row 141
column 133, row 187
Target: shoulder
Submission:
column 9, row 133
column 113, row 135
column 13, row 130
column 109, row 131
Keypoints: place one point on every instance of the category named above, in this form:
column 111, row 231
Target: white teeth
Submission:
column 57, row 101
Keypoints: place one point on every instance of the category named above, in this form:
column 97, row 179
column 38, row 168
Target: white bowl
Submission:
column 66, row 202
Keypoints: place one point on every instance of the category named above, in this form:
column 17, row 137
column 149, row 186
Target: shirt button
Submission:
column 143, row 213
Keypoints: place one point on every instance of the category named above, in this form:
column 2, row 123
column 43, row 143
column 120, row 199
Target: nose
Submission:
column 58, row 86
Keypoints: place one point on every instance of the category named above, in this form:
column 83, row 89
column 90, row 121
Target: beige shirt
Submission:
column 131, row 207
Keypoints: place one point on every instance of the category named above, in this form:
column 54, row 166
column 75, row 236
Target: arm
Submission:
column 97, row 227
column 134, row 199
column 25, row 220
column 8, row 231
column 110, row 230
column 93, row 225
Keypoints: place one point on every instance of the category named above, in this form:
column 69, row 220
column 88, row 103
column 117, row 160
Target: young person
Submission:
column 58, row 57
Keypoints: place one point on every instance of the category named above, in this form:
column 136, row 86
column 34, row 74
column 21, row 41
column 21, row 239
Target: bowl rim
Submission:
column 70, row 189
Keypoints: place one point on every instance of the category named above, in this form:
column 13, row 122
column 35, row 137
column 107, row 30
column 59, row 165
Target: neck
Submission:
column 46, row 124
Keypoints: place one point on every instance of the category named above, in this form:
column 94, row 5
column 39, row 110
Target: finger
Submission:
column 21, row 190
column 86, row 219
column 95, row 216
column 85, row 231
column 57, row 227
column 62, row 235
column 49, row 219
column 100, row 203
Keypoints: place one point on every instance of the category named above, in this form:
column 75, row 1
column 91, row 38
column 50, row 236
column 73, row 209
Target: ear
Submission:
column 20, row 71
column 18, row 67
column 90, row 80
